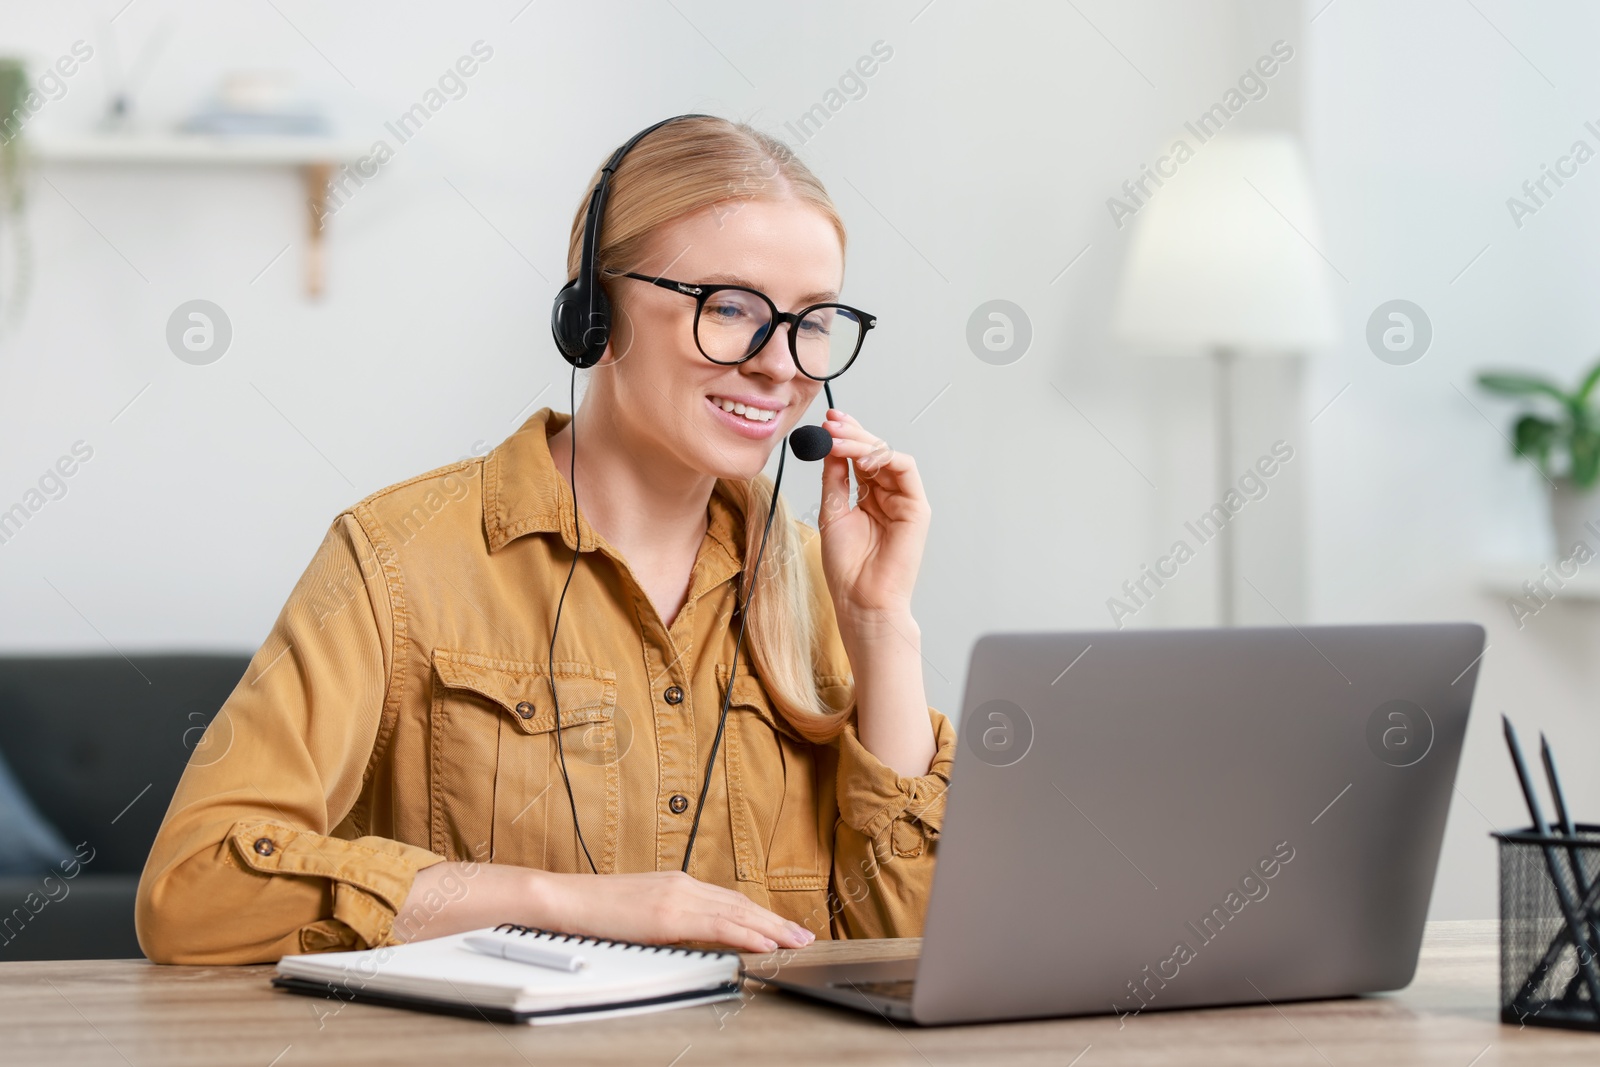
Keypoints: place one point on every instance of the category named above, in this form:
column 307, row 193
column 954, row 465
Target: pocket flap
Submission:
column 748, row 693
column 588, row 693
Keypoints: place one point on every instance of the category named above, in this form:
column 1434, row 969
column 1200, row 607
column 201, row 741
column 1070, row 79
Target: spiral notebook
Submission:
column 443, row 975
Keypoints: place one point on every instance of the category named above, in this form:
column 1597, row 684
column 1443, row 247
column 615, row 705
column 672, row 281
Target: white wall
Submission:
column 976, row 167
column 988, row 142
column 1424, row 118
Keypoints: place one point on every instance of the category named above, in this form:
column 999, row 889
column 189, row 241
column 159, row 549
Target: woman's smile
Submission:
column 755, row 418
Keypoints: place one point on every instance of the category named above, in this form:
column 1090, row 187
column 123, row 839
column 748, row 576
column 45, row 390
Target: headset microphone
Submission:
column 810, row 443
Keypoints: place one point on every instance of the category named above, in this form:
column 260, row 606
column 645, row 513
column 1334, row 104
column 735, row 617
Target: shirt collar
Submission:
column 523, row 493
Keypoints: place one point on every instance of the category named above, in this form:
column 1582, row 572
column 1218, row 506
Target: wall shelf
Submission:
column 314, row 157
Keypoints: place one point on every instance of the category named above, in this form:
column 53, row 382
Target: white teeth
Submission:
column 754, row 414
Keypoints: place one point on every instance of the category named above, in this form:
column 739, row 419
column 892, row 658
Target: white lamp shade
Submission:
column 1222, row 254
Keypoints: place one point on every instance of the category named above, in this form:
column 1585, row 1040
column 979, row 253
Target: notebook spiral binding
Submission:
column 578, row 939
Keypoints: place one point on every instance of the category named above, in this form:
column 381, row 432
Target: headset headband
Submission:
column 582, row 340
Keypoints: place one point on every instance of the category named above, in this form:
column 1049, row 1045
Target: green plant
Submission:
column 14, row 91
column 1574, row 428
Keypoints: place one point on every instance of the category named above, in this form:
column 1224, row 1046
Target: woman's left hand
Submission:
column 870, row 552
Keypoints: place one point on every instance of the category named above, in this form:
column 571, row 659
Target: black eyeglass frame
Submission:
column 702, row 293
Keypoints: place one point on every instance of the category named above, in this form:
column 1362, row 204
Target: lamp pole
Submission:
column 1222, row 358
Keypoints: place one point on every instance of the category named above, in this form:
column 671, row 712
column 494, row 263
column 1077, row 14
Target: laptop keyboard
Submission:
column 896, row 988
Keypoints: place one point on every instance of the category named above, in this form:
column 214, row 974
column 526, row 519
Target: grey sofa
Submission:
column 98, row 744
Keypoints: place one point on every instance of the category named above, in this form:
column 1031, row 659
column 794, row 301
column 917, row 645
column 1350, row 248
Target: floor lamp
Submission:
column 1224, row 261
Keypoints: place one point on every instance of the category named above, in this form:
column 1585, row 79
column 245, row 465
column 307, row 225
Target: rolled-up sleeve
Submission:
column 885, row 838
column 246, row 866
column 884, row 845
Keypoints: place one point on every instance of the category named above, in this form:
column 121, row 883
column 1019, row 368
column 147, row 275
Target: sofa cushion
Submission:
column 28, row 843
column 99, row 742
column 87, row 917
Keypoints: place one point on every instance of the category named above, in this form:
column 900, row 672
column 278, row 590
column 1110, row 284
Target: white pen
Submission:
column 538, row 955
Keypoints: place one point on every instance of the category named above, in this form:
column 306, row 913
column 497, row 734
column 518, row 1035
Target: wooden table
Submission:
column 131, row 1012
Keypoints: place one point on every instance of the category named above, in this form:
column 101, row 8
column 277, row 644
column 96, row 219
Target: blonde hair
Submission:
column 683, row 167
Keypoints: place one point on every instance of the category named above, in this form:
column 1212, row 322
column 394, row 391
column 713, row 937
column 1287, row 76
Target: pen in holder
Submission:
column 1542, row 960
column 1549, row 930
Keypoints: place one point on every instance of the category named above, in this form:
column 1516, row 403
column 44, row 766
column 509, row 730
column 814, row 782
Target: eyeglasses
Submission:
column 732, row 323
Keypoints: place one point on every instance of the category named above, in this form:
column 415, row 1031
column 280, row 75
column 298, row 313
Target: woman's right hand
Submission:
column 654, row 908
column 659, row 907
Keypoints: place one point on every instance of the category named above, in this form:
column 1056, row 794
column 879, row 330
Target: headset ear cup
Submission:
column 564, row 328
column 580, row 342
column 598, row 331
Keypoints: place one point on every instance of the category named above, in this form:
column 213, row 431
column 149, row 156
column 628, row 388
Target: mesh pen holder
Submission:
column 1542, row 981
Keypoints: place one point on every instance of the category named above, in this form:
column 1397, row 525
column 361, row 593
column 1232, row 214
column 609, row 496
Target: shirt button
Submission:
column 525, row 709
column 673, row 695
column 263, row 845
column 679, row 803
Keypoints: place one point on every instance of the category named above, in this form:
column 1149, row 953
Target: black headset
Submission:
column 580, row 322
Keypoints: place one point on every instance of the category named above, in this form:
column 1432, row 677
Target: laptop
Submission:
column 1149, row 820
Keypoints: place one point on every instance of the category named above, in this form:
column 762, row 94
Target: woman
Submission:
column 397, row 729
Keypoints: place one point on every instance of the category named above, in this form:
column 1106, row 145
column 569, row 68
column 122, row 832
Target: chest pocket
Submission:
column 495, row 784
column 772, row 794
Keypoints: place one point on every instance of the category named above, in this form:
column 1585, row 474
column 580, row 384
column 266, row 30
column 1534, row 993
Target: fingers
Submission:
column 877, row 466
column 870, row 455
column 687, row 909
column 726, row 931
column 850, row 439
column 662, row 907
column 737, row 920
column 835, row 489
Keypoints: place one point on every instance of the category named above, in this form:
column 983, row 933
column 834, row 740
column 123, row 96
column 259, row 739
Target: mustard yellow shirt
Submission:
column 399, row 714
